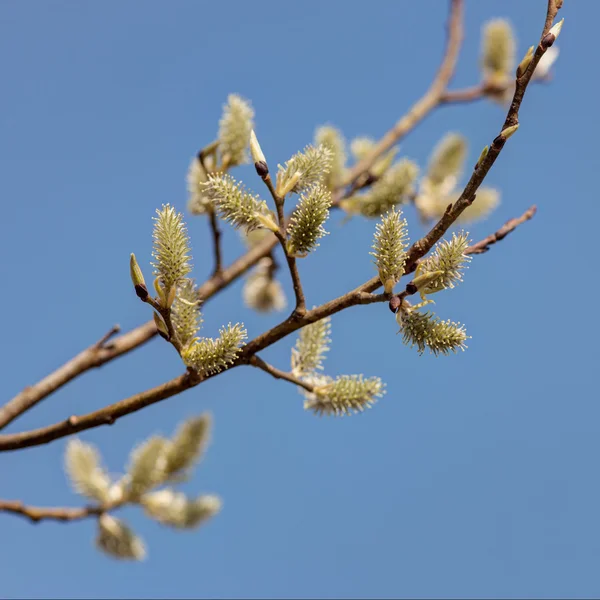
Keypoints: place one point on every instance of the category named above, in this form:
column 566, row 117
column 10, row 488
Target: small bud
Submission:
column 137, row 278
column 395, row 303
column 506, row 133
column 159, row 291
column 422, row 281
column 261, row 169
column 160, row 326
column 267, row 221
column 549, row 39
column 171, row 296
column 557, row 28
column 525, row 62
column 255, row 149
column 482, row 156
column 289, row 186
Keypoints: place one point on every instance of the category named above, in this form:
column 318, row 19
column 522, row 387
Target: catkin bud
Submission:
column 137, row 278
column 525, row 62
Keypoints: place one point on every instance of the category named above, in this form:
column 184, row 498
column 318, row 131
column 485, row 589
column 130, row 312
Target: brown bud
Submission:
column 411, row 288
column 548, row 40
column 261, row 168
column 141, row 291
column 395, row 303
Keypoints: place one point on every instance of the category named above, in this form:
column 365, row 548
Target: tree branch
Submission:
column 31, row 395
column 360, row 295
column 510, row 225
column 427, row 103
column 424, row 245
column 109, row 414
column 36, row 514
column 258, row 362
column 105, row 416
column 300, row 308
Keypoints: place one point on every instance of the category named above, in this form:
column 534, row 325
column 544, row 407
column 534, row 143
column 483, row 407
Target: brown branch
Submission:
column 36, row 514
column 480, row 247
column 135, row 338
column 360, row 295
column 510, row 225
column 258, row 362
column 109, row 414
column 453, row 211
column 105, row 416
column 427, row 103
column 300, row 307
column 97, row 355
column 216, row 237
column 31, row 395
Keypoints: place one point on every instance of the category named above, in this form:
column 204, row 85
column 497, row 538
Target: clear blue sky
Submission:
column 476, row 476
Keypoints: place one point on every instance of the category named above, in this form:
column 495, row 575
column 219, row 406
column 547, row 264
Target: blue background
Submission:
column 475, row 476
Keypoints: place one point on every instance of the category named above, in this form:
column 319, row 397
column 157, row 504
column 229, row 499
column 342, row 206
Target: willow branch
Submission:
column 258, row 362
column 480, row 247
column 300, row 308
column 427, row 103
column 31, row 395
column 109, row 414
column 97, row 355
column 467, row 197
column 510, row 225
column 36, row 514
column 135, row 338
column 105, row 416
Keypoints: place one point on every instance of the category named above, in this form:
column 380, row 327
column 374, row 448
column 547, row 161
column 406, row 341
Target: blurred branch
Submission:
column 484, row 245
column 427, row 103
column 467, row 197
column 36, row 514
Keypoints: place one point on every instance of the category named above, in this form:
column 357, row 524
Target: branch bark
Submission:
column 258, row 362
column 31, row 395
column 36, row 514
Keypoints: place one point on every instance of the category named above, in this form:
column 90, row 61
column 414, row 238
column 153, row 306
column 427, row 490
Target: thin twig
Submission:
column 36, row 514
column 165, row 312
column 480, row 247
column 453, row 211
column 510, row 225
column 216, row 237
column 105, row 416
column 427, row 103
column 258, row 362
column 31, row 395
column 96, row 356
column 140, row 335
column 300, row 307
column 109, row 414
